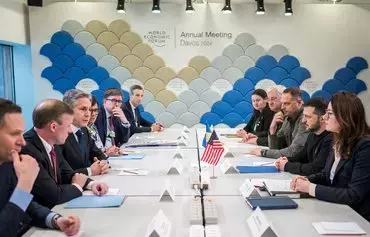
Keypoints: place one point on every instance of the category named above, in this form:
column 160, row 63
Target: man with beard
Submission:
column 312, row 158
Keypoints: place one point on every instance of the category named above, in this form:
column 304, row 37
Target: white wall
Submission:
column 322, row 37
column 14, row 22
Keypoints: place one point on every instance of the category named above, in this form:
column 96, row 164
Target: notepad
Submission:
column 270, row 203
column 264, row 163
column 338, row 228
column 95, row 202
column 127, row 157
column 111, row 191
column 257, row 169
column 274, row 187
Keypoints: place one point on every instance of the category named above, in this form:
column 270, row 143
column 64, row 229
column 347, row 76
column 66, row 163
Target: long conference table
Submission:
column 142, row 194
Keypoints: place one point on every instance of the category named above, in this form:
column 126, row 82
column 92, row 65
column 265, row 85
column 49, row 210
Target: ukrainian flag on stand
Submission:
column 207, row 135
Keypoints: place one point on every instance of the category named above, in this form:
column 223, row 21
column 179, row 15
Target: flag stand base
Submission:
column 213, row 174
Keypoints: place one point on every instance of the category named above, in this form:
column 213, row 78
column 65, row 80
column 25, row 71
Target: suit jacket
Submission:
column 46, row 191
column 259, row 124
column 122, row 133
column 13, row 220
column 76, row 159
column 138, row 126
column 351, row 182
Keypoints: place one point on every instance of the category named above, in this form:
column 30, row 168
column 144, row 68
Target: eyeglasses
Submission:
column 114, row 101
column 94, row 111
column 329, row 114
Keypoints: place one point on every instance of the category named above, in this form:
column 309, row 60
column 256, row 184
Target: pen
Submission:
column 130, row 172
column 269, row 163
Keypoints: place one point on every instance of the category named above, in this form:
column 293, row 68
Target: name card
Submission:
column 229, row 154
column 175, row 168
column 178, row 154
column 168, row 193
column 259, row 225
column 247, row 189
column 186, row 129
column 160, row 226
column 182, row 142
column 227, row 168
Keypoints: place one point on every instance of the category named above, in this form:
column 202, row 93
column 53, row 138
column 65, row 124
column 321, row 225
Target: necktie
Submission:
column 111, row 129
column 53, row 158
column 80, row 138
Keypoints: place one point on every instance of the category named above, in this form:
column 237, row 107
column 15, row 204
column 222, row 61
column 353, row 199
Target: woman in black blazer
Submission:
column 256, row 131
column 346, row 176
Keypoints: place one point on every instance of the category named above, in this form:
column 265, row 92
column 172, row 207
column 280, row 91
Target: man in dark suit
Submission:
column 112, row 124
column 17, row 210
column 80, row 150
column 312, row 158
column 57, row 182
column 132, row 113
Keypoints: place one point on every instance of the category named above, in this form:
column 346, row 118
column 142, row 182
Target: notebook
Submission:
column 95, row 202
column 127, row 157
column 338, row 228
column 278, row 187
column 270, row 203
column 257, row 169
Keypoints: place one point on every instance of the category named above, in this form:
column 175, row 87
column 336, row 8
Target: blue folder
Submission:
column 257, row 169
column 95, row 202
column 271, row 203
column 127, row 157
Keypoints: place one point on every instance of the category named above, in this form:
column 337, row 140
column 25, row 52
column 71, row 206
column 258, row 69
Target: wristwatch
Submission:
column 54, row 221
column 263, row 152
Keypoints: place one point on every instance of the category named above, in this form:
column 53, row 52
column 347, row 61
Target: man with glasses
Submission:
column 290, row 139
column 79, row 149
column 112, row 124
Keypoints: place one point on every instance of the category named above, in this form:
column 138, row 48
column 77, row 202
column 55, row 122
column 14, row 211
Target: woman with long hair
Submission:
column 346, row 176
column 256, row 131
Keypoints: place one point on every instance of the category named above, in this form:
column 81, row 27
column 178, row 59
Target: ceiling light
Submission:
column 260, row 7
column 227, row 7
column 156, row 8
column 189, row 7
column 121, row 6
column 288, row 7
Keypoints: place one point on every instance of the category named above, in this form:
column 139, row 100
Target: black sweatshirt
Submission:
column 313, row 156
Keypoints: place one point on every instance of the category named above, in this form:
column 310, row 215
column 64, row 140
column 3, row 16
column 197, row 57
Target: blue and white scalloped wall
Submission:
column 96, row 57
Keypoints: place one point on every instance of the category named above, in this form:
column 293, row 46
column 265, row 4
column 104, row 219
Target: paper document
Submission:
column 338, row 228
column 111, row 191
column 278, row 186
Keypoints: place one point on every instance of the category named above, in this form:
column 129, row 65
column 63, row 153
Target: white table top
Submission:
column 129, row 220
column 228, row 184
column 157, row 162
column 233, row 213
column 170, row 134
column 234, row 144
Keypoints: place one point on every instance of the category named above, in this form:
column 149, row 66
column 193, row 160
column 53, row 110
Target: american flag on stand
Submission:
column 214, row 150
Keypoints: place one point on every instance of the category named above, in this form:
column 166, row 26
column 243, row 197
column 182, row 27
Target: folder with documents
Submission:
column 127, row 157
column 257, row 169
column 270, row 203
column 95, row 202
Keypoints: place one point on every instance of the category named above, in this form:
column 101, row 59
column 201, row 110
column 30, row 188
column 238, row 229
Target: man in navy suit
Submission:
column 79, row 149
column 132, row 113
column 112, row 124
column 17, row 210
column 57, row 182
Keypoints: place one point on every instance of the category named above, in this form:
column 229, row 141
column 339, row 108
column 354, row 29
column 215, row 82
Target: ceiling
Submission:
column 356, row 2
